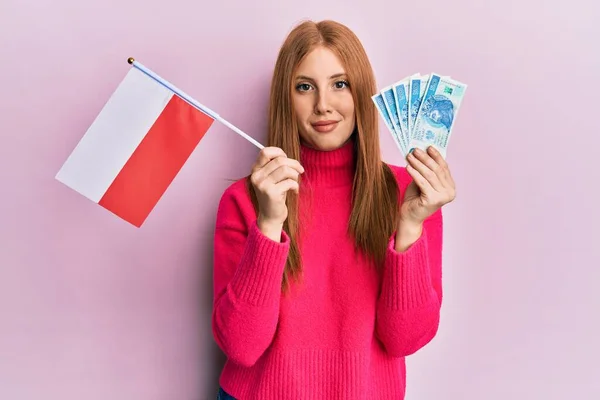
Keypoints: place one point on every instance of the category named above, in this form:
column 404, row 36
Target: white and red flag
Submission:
column 137, row 144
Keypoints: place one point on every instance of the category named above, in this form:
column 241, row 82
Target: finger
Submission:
column 282, row 167
column 282, row 173
column 437, row 157
column 287, row 185
column 267, row 154
column 424, row 170
column 283, row 187
column 419, row 179
column 427, row 159
column 449, row 191
column 276, row 163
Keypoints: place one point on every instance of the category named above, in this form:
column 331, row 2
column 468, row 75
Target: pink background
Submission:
column 92, row 308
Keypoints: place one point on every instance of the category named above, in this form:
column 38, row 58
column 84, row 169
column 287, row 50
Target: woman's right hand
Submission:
column 273, row 175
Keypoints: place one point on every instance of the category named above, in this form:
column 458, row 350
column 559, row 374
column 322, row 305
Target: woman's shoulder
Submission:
column 236, row 187
column 235, row 199
column 402, row 176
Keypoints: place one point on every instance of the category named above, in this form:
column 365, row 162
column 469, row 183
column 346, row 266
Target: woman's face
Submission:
column 322, row 101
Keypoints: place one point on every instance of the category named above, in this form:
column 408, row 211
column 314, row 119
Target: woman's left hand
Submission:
column 431, row 188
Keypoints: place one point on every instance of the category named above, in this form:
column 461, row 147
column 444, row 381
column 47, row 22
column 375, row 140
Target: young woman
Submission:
column 327, row 263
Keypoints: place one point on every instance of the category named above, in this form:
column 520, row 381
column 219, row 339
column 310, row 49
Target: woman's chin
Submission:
column 326, row 142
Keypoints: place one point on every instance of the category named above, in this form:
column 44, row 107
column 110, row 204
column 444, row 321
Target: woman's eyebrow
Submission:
column 308, row 78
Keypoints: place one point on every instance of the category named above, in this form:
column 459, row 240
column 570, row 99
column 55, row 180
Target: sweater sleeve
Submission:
column 408, row 309
column 248, row 271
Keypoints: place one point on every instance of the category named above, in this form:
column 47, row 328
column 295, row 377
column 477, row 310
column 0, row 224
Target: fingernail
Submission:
column 411, row 150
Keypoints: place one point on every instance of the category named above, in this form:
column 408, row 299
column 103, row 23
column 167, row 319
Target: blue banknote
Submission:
column 417, row 90
column 401, row 93
column 437, row 113
column 387, row 119
column 389, row 99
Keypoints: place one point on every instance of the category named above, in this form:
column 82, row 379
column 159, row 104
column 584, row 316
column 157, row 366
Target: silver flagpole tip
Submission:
column 130, row 60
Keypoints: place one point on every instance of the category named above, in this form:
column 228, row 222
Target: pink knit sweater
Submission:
column 344, row 330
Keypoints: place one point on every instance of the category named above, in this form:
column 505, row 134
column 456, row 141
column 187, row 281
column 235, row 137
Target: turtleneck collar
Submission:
column 329, row 168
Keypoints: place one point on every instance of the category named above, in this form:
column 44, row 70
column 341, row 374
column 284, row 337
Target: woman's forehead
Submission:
column 321, row 63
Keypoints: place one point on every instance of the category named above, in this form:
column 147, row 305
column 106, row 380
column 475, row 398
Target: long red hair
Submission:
column 375, row 210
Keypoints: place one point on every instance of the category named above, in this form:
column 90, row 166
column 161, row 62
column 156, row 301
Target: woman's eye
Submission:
column 303, row 87
column 341, row 84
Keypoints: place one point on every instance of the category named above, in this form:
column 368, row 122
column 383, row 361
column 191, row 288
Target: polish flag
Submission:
column 135, row 147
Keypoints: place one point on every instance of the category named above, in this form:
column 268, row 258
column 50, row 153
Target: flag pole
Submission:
column 192, row 101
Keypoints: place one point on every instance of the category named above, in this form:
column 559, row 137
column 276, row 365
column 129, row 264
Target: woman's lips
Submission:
column 325, row 126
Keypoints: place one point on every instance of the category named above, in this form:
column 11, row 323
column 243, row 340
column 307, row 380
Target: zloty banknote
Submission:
column 401, row 93
column 437, row 113
column 380, row 105
column 389, row 101
column 417, row 86
column 392, row 104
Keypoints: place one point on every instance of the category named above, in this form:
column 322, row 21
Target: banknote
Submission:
column 400, row 109
column 437, row 113
column 389, row 100
column 417, row 86
column 380, row 105
column 401, row 93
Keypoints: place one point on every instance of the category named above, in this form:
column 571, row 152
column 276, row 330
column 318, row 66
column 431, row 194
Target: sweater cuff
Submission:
column 407, row 280
column 259, row 275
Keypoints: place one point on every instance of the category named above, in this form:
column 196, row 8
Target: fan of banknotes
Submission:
column 420, row 110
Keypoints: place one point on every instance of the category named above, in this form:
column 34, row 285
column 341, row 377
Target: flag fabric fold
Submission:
column 135, row 147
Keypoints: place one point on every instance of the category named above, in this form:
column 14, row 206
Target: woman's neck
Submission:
column 329, row 168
